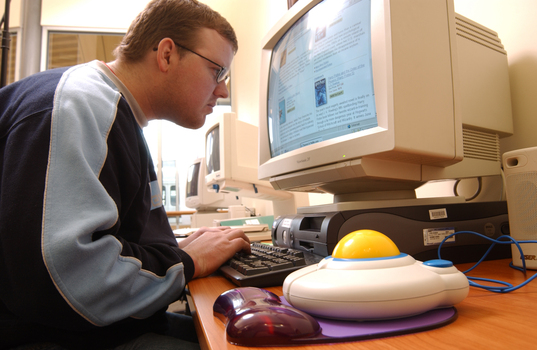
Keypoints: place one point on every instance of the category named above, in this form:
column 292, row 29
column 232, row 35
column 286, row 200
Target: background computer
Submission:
column 197, row 195
column 231, row 155
column 219, row 208
column 207, row 203
column 370, row 99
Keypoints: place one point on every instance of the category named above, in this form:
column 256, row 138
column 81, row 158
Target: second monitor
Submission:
column 197, row 195
column 231, row 154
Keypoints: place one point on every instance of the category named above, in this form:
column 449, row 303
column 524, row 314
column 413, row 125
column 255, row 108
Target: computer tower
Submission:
column 520, row 168
column 416, row 230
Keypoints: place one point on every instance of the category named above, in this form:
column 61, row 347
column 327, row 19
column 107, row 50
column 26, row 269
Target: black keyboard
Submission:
column 266, row 266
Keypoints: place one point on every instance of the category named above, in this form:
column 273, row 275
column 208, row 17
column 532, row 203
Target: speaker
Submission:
column 520, row 170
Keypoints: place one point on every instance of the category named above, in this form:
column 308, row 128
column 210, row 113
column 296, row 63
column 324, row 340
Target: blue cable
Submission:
column 504, row 239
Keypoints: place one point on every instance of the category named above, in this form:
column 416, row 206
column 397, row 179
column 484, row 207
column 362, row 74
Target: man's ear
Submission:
column 164, row 54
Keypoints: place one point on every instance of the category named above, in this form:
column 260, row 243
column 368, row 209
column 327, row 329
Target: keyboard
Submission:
column 266, row 266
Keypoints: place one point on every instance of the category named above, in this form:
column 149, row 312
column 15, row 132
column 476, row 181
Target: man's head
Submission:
column 176, row 51
column 179, row 20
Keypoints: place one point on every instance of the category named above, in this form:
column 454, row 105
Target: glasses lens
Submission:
column 224, row 74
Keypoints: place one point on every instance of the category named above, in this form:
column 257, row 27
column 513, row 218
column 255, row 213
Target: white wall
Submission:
column 14, row 13
column 116, row 14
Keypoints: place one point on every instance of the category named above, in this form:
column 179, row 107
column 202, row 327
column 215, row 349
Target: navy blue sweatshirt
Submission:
column 86, row 250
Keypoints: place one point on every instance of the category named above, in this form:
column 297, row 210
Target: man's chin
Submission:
column 192, row 123
column 200, row 121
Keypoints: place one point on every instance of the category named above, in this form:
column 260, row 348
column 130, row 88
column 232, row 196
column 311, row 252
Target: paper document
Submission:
column 259, row 232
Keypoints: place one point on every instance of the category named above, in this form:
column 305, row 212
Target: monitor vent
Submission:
column 481, row 145
column 475, row 32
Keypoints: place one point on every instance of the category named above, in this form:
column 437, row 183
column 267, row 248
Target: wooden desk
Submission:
column 486, row 320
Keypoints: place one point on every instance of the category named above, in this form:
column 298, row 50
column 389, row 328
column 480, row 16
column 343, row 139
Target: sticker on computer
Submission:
column 435, row 236
column 286, row 223
column 436, row 214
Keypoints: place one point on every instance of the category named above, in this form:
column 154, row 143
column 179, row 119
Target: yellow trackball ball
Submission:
column 365, row 244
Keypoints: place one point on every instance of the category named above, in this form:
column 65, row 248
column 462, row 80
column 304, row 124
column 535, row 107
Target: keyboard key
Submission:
column 281, row 265
column 249, row 270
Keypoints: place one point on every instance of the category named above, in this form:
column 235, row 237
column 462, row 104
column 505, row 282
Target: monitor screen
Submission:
column 192, row 181
column 212, row 151
column 321, row 77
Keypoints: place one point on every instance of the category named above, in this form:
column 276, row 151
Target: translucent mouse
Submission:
column 255, row 316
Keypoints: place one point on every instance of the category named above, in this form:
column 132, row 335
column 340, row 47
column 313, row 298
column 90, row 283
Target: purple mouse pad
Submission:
column 340, row 331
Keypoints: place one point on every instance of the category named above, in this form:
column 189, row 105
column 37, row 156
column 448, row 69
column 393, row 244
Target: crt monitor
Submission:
column 231, row 159
column 197, row 195
column 369, row 99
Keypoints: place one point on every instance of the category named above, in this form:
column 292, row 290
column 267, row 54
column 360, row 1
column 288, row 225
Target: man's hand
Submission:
column 186, row 241
column 211, row 247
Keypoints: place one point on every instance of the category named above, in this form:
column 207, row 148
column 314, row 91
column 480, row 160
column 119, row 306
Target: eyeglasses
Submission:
column 221, row 75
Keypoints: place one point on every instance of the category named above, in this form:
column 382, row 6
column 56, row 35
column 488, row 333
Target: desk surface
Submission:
column 486, row 320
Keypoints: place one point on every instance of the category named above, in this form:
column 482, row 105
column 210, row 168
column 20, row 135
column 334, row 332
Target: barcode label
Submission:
column 435, row 236
column 436, row 214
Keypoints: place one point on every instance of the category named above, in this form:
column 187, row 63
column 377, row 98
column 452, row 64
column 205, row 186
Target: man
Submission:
column 87, row 257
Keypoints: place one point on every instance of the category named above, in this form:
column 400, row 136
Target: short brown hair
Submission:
column 179, row 20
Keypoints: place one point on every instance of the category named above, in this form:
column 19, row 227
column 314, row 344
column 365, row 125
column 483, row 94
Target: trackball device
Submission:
column 367, row 278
